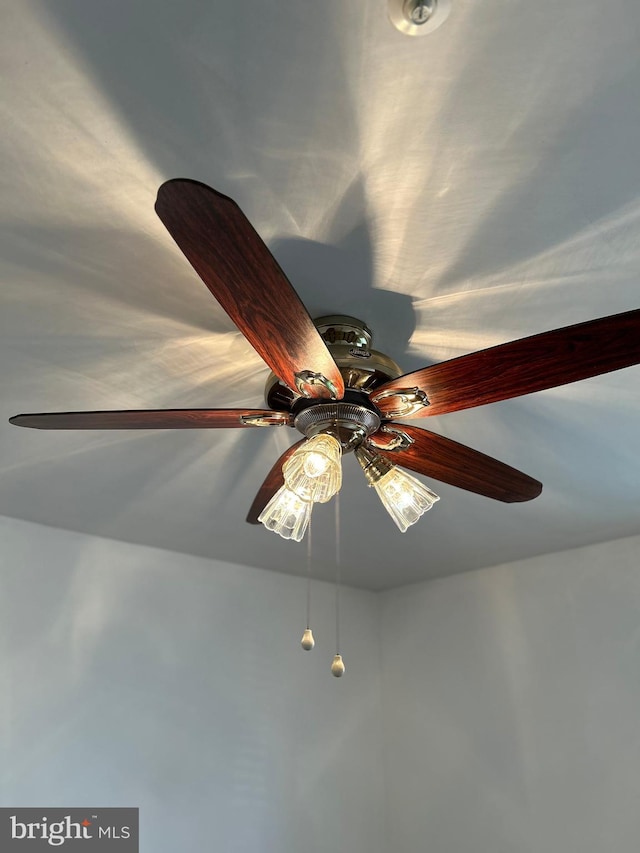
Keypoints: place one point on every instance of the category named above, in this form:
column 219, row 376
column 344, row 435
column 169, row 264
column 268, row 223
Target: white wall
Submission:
column 510, row 720
column 512, row 707
column 137, row 677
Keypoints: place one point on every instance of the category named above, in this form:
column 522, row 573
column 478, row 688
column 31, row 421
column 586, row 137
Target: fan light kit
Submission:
column 329, row 384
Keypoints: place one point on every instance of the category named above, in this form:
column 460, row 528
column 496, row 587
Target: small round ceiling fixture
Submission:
column 418, row 17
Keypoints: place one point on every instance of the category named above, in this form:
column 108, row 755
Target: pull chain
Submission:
column 307, row 641
column 338, row 578
column 337, row 665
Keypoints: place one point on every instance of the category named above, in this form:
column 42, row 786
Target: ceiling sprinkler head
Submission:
column 418, row 17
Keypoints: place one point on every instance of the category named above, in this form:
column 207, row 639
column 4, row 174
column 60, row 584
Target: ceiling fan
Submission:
column 329, row 384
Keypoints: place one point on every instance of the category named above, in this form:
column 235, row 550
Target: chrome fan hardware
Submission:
column 418, row 17
column 342, row 395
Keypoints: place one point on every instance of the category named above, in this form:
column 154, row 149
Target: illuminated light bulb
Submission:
column 307, row 641
column 286, row 514
column 404, row 497
column 314, row 470
column 337, row 666
column 314, row 464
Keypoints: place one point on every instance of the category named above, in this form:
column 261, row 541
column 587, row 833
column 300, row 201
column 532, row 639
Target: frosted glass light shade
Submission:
column 314, row 471
column 405, row 498
column 286, row 514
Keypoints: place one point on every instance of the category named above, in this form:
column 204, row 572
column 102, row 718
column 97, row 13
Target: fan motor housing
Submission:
column 349, row 342
column 350, row 420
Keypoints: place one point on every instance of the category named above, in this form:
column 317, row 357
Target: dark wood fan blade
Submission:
column 446, row 460
column 154, row 419
column 242, row 274
column 522, row 367
column 271, row 484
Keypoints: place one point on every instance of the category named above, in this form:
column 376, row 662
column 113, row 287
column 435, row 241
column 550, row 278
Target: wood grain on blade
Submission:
column 242, row 274
column 524, row 366
column 449, row 462
column 147, row 419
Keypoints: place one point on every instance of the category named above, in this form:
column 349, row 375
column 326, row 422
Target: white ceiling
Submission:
column 455, row 191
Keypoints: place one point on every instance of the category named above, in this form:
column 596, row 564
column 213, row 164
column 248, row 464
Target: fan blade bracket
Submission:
column 399, row 440
column 449, row 462
column 272, row 419
column 401, row 402
column 307, row 383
